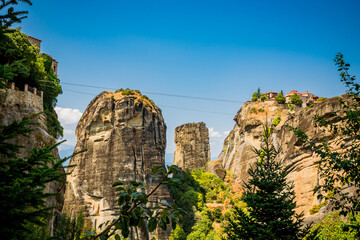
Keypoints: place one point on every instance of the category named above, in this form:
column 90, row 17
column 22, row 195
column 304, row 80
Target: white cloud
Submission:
column 68, row 115
column 214, row 134
column 69, row 119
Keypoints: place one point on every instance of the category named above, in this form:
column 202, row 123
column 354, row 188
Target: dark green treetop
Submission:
column 269, row 198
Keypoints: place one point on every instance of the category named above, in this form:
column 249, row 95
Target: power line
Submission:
column 182, row 108
column 161, row 94
column 196, row 110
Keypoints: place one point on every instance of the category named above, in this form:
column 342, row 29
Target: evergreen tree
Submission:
column 11, row 16
column 270, row 201
column 258, row 92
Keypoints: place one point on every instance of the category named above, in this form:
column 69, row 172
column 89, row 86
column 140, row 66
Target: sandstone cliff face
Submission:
column 237, row 154
column 192, row 145
column 124, row 137
column 14, row 105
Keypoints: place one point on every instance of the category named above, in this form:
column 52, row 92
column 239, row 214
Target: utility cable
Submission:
column 161, row 94
column 187, row 109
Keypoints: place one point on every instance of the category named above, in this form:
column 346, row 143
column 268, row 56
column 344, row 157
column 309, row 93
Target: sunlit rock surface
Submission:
column 124, row 137
column 237, row 154
column 192, row 146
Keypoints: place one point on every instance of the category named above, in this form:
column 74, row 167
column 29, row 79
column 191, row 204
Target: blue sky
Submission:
column 218, row 49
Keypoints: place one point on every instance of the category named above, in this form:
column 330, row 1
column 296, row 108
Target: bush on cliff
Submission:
column 295, row 99
column 254, row 97
column 280, row 98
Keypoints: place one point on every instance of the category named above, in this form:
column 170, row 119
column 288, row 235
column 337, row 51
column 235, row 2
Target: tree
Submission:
column 254, row 97
column 280, row 98
column 340, row 169
column 12, row 16
column 22, row 63
column 295, row 99
column 135, row 211
column 23, row 181
column 258, row 93
column 269, row 198
column 263, row 97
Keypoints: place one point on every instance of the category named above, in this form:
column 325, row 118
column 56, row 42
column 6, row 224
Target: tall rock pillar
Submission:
column 124, row 137
column 192, row 145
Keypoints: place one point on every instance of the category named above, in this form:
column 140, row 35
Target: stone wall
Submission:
column 14, row 105
column 192, row 146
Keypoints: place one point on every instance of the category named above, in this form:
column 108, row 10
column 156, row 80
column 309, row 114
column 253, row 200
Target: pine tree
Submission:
column 270, row 201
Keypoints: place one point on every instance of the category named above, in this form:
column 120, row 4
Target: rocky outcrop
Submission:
column 192, row 146
column 216, row 168
column 237, row 154
column 124, row 137
column 14, row 105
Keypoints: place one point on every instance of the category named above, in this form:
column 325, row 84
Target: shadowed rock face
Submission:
column 238, row 155
column 124, row 137
column 14, row 105
column 192, row 145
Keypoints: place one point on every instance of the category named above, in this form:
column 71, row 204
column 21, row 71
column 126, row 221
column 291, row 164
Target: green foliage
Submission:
column 263, row 97
column 253, row 110
column 295, row 99
column 261, row 110
column 186, row 196
column 23, row 63
column 197, row 188
column 269, row 198
column 134, row 210
column 310, row 103
column 178, row 233
column 280, row 98
column 201, row 229
column 255, row 97
column 332, row 227
column 71, row 228
column 290, row 107
column 147, row 99
column 217, row 215
column 338, row 169
column 276, row 121
column 23, row 182
column 321, row 99
column 317, row 207
column 128, row 92
column 11, row 16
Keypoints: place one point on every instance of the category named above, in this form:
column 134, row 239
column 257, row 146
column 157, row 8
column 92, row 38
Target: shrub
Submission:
column 295, row 99
column 332, row 227
column 290, row 107
column 217, row 215
column 261, row 110
column 128, row 92
column 263, row 97
column 280, row 98
column 310, row 103
column 276, row 121
column 255, row 97
column 253, row 110
column 321, row 99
